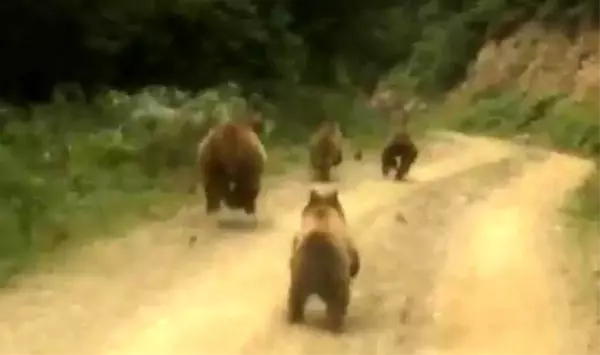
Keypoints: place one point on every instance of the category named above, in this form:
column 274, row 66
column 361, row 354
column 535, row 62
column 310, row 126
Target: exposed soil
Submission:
column 459, row 259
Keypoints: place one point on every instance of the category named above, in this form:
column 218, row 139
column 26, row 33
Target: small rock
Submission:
column 358, row 155
column 400, row 217
column 192, row 241
column 404, row 315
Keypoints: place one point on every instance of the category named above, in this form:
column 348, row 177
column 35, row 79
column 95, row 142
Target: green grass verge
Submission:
column 109, row 213
column 73, row 172
column 553, row 121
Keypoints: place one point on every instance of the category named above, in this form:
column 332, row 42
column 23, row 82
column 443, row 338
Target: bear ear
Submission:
column 333, row 197
column 313, row 195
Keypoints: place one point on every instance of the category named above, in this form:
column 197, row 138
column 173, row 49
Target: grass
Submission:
column 558, row 124
column 583, row 211
column 111, row 213
column 553, row 121
column 74, row 172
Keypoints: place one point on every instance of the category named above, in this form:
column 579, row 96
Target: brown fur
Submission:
column 399, row 147
column 231, row 161
column 324, row 260
column 325, row 150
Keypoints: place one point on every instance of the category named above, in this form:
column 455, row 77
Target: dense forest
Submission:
column 74, row 153
column 262, row 45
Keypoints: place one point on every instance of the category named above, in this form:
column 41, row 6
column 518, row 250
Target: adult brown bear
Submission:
column 399, row 154
column 325, row 150
column 231, row 160
column 324, row 260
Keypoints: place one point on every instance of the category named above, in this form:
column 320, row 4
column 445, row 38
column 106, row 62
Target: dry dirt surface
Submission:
column 457, row 260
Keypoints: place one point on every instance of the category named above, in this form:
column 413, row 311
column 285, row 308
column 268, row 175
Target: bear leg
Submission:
column 408, row 157
column 296, row 301
column 354, row 261
column 386, row 166
column 213, row 203
column 233, row 199
column 338, row 158
column 337, row 308
column 385, row 170
column 250, row 207
column 388, row 160
column 246, row 193
column 324, row 174
column 214, row 192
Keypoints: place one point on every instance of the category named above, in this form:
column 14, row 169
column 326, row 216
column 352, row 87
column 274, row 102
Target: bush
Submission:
column 84, row 150
column 195, row 44
column 552, row 121
column 73, row 169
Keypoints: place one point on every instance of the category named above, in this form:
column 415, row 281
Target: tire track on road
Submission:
column 224, row 308
column 498, row 294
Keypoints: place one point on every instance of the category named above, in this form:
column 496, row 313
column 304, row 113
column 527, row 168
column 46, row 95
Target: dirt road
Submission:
column 455, row 261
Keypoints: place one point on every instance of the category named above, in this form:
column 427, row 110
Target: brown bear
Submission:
column 324, row 260
column 399, row 147
column 325, row 150
column 230, row 163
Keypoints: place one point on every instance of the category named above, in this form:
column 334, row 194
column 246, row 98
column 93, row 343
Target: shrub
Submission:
column 73, row 169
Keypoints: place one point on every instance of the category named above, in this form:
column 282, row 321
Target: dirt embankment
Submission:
column 457, row 260
column 540, row 61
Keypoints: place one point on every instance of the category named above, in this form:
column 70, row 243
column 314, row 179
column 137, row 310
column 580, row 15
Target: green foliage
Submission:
column 586, row 202
column 73, row 170
column 263, row 45
column 296, row 115
column 87, row 153
column 552, row 121
column 498, row 114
